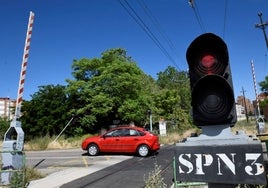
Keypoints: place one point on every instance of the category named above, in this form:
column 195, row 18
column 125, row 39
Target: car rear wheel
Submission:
column 143, row 150
column 93, row 149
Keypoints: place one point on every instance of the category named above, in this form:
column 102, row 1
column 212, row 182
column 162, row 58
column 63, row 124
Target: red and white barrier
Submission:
column 24, row 65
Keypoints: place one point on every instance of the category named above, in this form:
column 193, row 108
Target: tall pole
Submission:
column 151, row 123
column 262, row 26
column 255, row 88
column 244, row 99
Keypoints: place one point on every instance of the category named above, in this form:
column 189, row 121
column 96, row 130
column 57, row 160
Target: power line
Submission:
column 154, row 20
column 194, row 6
column 224, row 19
column 197, row 15
column 134, row 15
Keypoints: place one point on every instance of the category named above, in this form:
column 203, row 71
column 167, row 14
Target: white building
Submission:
column 240, row 112
column 7, row 108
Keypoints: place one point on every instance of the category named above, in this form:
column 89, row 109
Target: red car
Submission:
column 123, row 140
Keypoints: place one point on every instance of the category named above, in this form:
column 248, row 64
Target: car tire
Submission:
column 143, row 150
column 93, row 150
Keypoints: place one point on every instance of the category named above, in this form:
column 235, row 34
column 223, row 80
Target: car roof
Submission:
column 128, row 127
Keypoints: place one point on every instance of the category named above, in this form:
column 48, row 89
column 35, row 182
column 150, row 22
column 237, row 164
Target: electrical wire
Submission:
column 225, row 18
column 154, row 20
column 193, row 4
column 134, row 15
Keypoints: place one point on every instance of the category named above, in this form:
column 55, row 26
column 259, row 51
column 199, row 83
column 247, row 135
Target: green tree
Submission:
column 171, row 78
column 104, row 91
column 173, row 100
column 264, row 85
column 264, row 88
column 46, row 113
column 4, row 125
column 107, row 89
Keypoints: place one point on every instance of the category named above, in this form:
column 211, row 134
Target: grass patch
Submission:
column 248, row 127
column 176, row 136
column 40, row 143
column 47, row 142
column 32, row 174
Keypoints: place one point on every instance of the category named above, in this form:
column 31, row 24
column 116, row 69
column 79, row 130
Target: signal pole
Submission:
column 262, row 26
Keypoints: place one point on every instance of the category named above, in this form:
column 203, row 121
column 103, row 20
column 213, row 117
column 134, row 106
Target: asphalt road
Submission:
column 51, row 161
column 131, row 173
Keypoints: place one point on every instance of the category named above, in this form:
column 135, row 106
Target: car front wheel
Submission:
column 143, row 150
column 93, row 150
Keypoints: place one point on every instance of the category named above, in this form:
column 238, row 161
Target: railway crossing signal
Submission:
column 212, row 93
column 216, row 156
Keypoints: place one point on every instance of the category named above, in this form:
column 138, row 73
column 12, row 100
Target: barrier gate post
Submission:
column 12, row 155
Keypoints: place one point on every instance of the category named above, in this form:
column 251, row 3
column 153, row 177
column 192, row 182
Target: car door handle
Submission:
column 136, row 139
column 117, row 139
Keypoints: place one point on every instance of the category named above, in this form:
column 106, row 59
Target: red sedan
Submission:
column 123, row 140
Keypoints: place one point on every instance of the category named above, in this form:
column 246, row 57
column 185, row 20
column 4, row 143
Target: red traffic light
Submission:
column 207, row 54
column 211, row 83
column 208, row 61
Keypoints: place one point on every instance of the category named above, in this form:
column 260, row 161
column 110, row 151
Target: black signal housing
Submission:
column 212, row 92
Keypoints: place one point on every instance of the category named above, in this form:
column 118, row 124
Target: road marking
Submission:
column 60, row 157
column 85, row 161
column 72, row 161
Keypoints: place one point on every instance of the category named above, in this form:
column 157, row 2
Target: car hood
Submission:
column 92, row 137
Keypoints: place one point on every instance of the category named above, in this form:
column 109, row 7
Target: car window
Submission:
column 141, row 133
column 125, row 132
column 114, row 133
column 133, row 132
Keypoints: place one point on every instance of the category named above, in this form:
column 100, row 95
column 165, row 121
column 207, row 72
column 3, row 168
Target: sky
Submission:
column 155, row 33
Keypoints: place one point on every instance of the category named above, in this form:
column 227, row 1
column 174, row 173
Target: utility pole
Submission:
column 245, row 105
column 262, row 26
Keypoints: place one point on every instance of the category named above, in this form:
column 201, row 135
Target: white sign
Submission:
column 162, row 128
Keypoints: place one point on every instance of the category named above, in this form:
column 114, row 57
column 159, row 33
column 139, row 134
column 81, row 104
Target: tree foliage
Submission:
column 173, row 100
column 264, row 85
column 4, row 125
column 264, row 88
column 46, row 113
column 108, row 90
